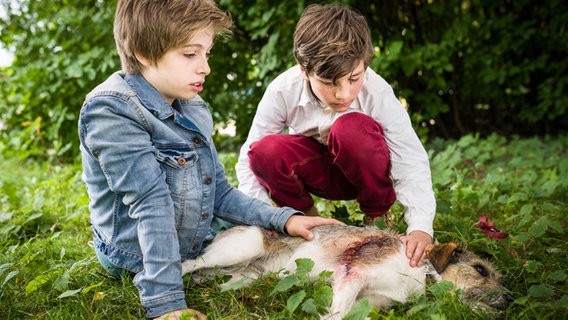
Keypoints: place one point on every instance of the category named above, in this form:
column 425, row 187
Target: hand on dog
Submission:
column 416, row 243
column 300, row 225
column 174, row 315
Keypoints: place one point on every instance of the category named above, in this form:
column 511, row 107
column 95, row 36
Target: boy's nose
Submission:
column 341, row 92
column 204, row 68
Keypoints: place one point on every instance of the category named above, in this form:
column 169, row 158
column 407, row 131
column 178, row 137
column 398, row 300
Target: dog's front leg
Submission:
column 236, row 245
column 346, row 288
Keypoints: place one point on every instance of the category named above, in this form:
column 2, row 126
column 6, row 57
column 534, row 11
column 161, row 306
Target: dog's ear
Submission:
column 442, row 255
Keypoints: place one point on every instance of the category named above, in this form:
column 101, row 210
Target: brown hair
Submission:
column 331, row 39
column 150, row 28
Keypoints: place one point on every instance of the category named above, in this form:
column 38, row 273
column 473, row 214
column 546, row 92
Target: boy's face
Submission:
column 338, row 96
column 180, row 73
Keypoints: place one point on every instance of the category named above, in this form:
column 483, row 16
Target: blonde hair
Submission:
column 150, row 28
column 330, row 40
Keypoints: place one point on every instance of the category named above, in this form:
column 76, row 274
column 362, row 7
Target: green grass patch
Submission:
column 48, row 269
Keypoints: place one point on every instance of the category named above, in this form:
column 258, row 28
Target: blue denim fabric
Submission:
column 155, row 184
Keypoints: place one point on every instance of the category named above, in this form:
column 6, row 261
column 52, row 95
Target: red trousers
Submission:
column 354, row 164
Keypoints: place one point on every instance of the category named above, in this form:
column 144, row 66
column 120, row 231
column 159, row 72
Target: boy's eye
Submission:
column 353, row 80
column 193, row 54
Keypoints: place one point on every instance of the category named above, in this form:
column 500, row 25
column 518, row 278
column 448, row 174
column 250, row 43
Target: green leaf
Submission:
column 539, row 227
column 439, row 289
column 69, row 293
column 360, row 311
column 38, row 282
column 239, row 284
column 540, row 291
column 286, row 283
column 304, row 266
column 10, row 276
column 295, row 300
column 34, row 216
column 309, row 306
column 91, row 287
column 323, row 295
column 517, row 196
column 325, row 275
column 558, row 275
column 5, row 267
column 562, row 302
column 61, row 283
column 533, row 266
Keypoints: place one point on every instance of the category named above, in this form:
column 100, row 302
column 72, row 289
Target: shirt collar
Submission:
column 308, row 97
column 149, row 96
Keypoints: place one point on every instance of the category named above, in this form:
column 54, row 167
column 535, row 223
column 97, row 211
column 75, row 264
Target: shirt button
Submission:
column 205, row 216
column 208, row 180
column 181, row 161
column 197, row 140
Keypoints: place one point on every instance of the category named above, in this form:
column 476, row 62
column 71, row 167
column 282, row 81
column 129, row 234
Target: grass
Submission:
column 49, row 271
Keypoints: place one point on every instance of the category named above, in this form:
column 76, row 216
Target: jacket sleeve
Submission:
column 410, row 167
column 237, row 207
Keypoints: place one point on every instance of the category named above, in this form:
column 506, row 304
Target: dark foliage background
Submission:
column 462, row 66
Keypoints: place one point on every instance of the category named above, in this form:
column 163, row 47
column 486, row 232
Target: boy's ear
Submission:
column 145, row 62
column 304, row 74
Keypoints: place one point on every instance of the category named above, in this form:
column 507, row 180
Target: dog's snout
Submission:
column 499, row 299
column 508, row 299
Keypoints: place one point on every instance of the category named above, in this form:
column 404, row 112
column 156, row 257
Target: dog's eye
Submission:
column 481, row 270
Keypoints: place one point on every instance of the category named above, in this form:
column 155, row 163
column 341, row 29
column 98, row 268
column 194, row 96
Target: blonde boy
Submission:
column 150, row 166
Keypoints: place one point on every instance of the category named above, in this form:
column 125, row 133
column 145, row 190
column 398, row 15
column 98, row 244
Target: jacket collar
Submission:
column 149, row 96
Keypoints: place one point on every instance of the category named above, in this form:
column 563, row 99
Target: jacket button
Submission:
column 205, row 216
column 181, row 161
column 197, row 140
column 208, row 180
column 195, row 246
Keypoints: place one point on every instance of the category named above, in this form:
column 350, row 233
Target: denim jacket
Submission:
column 155, row 183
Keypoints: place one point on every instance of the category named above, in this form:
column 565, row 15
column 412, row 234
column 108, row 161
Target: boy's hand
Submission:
column 416, row 243
column 175, row 315
column 300, row 225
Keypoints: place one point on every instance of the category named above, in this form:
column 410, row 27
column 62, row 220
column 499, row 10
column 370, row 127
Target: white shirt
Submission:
column 288, row 103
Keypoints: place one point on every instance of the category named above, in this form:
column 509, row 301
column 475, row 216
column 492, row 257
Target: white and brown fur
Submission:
column 367, row 263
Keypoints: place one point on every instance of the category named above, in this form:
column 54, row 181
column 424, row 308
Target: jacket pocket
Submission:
column 180, row 167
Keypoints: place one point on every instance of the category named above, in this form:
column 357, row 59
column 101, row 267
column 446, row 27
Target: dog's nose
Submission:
column 508, row 299
column 504, row 301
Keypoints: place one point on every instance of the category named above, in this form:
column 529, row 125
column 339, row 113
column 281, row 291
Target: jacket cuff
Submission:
column 281, row 216
column 159, row 306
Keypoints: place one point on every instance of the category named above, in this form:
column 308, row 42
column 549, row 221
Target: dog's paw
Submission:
column 187, row 266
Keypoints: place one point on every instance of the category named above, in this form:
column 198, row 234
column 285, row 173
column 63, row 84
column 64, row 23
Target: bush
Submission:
column 476, row 66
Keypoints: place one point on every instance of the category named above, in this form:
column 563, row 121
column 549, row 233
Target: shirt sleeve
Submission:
column 410, row 167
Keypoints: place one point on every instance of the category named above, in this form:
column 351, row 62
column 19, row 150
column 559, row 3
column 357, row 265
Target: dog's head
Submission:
column 476, row 277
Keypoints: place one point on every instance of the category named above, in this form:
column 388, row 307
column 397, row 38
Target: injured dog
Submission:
column 367, row 263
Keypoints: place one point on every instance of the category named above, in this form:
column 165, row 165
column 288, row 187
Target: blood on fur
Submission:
column 371, row 250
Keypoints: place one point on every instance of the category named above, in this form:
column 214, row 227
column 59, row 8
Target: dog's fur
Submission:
column 367, row 263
